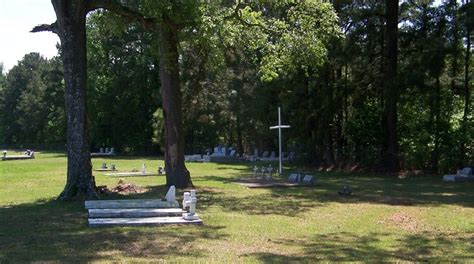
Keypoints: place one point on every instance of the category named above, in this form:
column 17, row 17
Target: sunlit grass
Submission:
column 386, row 219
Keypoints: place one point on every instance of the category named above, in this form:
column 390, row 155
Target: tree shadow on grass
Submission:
column 58, row 231
column 344, row 246
column 400, row 192
column 371, row 189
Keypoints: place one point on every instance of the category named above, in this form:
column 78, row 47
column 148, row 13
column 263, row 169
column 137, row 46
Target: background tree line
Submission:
column 328, row 73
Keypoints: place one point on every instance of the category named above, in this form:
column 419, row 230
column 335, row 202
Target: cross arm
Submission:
column 281, row 126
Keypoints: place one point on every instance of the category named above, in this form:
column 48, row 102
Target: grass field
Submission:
column 386, row 219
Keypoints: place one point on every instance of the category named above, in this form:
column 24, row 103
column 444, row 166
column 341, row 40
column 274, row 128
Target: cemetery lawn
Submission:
column 386, row 219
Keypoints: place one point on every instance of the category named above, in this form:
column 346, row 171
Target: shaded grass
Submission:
column 387, row 219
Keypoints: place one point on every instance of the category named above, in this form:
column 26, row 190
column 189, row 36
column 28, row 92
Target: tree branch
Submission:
column 46, row 27
column 237, row 14
column 131, row 15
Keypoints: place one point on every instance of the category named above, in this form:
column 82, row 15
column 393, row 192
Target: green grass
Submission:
column 387, row 219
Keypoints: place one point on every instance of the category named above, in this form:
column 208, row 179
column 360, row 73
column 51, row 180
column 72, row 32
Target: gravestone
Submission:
column 345, row 190
column 465, row 172
column 104, row 166
column 255, row 171
column 186, row 200
column 171, row 194
column 112, row 167
column 191, row 212
column 308, row 180
column 464, row 175
column 143, row 168
column 270, row 171
column 294, row 177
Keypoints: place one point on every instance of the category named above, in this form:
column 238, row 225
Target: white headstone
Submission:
column 171, row 194
column 186, row 199
column 255, row 170
column 191, row 214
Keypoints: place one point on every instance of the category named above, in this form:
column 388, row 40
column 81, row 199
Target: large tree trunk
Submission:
column 176, row 172
column 71, row 25
column 390, row 161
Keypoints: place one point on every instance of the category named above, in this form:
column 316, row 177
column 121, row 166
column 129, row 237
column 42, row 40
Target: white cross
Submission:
column 279, row 127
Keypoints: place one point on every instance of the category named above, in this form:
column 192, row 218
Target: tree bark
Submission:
column 390, row 160
column 176, row 172
column 71, row 28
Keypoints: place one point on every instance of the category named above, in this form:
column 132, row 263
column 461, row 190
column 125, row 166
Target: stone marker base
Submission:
column 141, row 221
column 98, row 154
column 133, row 174
column 272, row 184
column 132, row 203
column 104, row 170
column 18, row 157
column 136, row 213
column 458, row 178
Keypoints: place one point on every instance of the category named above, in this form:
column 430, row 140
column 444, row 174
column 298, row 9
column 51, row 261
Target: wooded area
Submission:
column 381, row 84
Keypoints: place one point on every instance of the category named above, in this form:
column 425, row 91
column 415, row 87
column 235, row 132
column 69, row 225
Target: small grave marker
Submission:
column 308, row 180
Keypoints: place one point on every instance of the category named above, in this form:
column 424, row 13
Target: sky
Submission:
column 17, row 18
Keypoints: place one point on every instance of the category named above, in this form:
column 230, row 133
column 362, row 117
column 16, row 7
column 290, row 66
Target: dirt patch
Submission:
column 404, row 221
column 122, row 188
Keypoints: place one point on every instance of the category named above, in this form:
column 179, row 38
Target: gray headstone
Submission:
column 465, row 172
column 308, row 180
column 255, row 170
column 294, row 177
